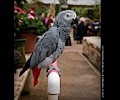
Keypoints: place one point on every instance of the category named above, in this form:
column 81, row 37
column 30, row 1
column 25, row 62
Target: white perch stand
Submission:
column 53, row 85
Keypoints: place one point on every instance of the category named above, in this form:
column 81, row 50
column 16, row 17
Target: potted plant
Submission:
column 29, row 26
column 19, row 43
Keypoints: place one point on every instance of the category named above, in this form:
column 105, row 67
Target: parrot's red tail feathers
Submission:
column 36, row 73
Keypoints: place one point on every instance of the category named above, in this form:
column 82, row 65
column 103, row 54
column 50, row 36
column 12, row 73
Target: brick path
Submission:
column 79, row 81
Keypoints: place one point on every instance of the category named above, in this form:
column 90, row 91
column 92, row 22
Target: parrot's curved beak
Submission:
column 74, row 22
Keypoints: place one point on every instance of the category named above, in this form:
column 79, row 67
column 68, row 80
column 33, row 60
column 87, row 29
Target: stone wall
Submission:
column 92, row 50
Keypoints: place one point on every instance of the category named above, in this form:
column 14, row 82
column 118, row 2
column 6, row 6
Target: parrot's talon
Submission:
column 53, row 68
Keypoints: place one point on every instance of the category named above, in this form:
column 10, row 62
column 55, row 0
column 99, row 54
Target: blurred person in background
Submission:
column 50, row 22
column 86, row 25
column 42, row 17
column 93, row 28
column 80, row 30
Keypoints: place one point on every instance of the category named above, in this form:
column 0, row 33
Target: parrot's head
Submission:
column 66, row 18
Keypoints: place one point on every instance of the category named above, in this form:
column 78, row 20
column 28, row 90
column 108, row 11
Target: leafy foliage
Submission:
column 96, row 12
column 62, row 1
column 22, row 22
column 82, row 11
column 38, row 7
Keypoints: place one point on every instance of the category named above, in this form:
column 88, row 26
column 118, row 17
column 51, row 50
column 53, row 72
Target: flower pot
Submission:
column 30, row 41
column 19, row 44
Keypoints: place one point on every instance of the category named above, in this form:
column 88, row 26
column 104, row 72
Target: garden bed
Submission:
column 92, row 50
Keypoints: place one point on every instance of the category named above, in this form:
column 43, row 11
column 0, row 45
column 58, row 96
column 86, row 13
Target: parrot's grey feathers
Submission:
column 51, row 45
column 45, row 46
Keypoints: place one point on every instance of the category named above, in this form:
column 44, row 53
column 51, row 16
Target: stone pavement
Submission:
column 80, row 80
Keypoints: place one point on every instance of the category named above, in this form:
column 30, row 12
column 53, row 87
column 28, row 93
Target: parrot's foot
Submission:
column 53, row 68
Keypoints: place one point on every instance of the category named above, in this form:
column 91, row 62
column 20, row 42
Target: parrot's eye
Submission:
column 67, row 15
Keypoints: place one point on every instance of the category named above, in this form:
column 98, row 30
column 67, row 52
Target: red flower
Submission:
column 20, row 11
column 32, row 13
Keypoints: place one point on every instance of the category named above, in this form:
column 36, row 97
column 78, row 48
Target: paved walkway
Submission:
column 79, row 81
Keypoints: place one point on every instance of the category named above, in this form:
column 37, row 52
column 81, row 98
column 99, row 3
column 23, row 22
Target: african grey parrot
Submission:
column 51, row 45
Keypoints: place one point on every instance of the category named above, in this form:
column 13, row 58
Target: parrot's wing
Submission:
column 45, row 46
